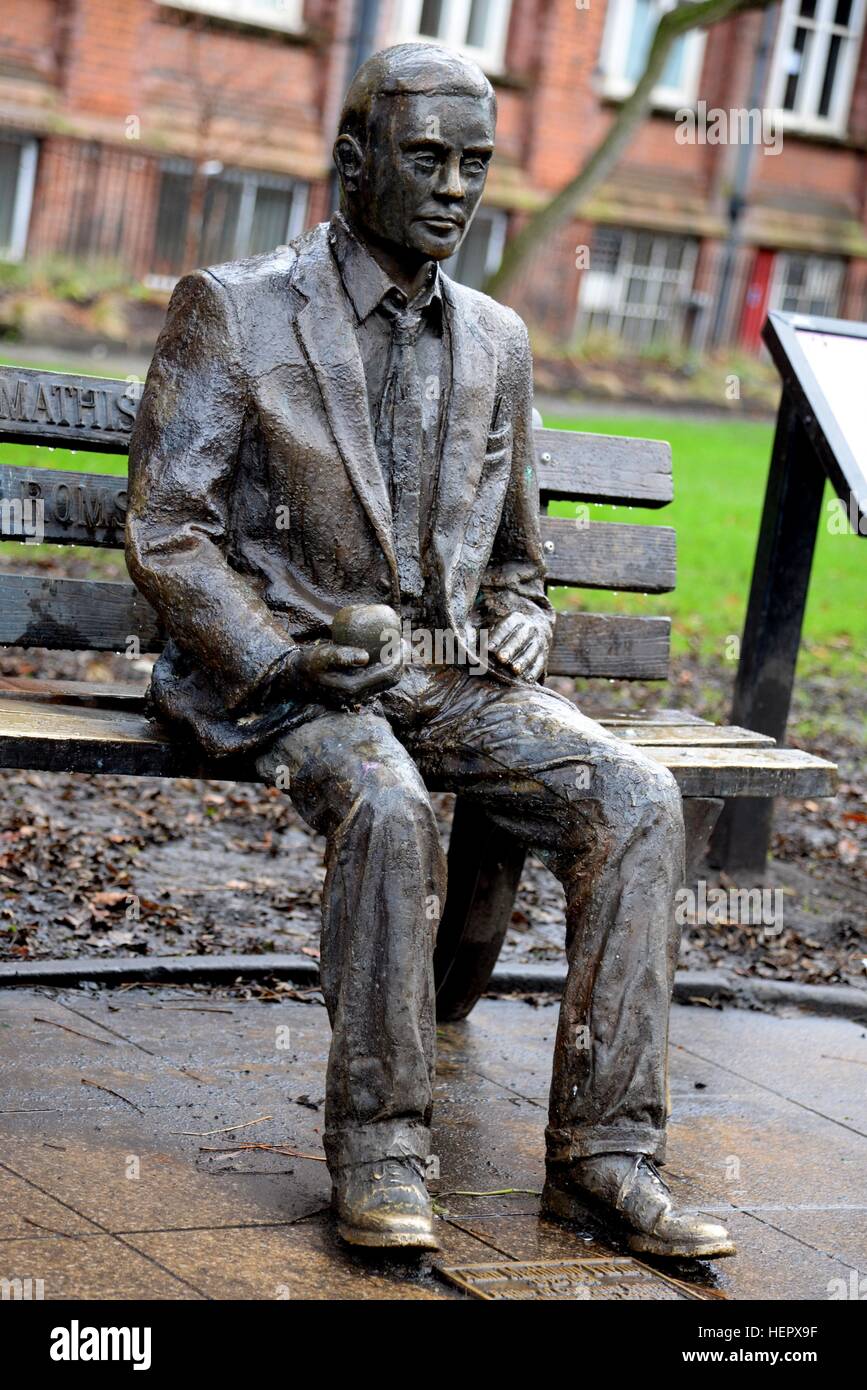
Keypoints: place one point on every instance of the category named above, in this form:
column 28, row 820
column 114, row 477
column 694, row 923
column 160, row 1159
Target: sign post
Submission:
column 821, row 434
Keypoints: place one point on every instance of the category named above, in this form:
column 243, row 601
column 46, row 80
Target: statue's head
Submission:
column 416, row 137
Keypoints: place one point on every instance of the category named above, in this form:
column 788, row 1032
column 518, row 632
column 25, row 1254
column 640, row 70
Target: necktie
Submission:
column 400, row 443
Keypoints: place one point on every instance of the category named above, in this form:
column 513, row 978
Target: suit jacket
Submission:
column 257, row 504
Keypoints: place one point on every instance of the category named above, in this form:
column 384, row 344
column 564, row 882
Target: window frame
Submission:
column 816, row 263
column 491, row 56
column 255, row 13
column 498, row 228
column 22, row 206
column 619, row 19
column 836, row 122
column 250, row 181
column 619, row 309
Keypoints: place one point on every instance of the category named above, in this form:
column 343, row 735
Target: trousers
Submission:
column 603, row 816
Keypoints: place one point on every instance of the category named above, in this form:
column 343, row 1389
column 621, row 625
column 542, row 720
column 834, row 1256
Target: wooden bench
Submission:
column 77, row 727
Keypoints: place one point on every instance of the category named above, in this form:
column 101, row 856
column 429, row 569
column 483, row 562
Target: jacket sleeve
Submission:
column 514, row 581
column 182, row 459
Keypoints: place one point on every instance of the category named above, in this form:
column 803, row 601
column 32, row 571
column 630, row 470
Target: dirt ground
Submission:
column 119, row 865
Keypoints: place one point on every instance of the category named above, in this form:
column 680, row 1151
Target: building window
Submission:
column 807, row 284
column 814, row 63
column 478, row 27
column 637, row 285
column 629, row 29
column 481, row 250
column 18, row 156
column 268, row 14
column 241, row 214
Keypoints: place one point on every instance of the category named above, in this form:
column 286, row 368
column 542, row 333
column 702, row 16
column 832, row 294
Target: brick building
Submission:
column 163, row 134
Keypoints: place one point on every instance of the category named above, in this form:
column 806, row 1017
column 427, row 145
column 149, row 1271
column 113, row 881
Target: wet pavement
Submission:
column 123, row 1111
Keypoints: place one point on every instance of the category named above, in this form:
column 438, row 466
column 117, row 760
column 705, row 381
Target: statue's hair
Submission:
column 426, row 69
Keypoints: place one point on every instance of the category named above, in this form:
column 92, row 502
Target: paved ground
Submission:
column 113, row 1185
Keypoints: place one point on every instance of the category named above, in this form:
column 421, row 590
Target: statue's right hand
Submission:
column 345, row 672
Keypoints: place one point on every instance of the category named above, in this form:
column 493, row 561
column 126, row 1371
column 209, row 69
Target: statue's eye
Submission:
column 474, row 166
column 426, row 162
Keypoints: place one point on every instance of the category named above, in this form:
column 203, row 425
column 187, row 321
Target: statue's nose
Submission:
column 451, row 184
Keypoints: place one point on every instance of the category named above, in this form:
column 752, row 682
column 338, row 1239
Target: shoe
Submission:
column 384, row 1205
column 629, row 1188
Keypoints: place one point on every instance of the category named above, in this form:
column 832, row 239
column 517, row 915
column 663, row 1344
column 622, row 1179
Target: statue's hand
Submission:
column 517, row 643
column 326, row 669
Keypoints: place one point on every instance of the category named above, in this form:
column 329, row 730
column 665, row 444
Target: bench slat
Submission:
column 92, row 413
column 612, row 645
column 77, row 508
column 667, row 727
column 610, row 555
column 761, row 772
column 100, row 615
column 614, row 718
column 96, row 414
column 581, row 467
column 75, row 615
column 691, row 736
column 129, row 694
column 90, row 509
column 120, row 694
column 48, row 737
column 59, row 738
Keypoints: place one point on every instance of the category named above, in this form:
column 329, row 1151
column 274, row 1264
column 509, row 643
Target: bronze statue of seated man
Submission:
column 334, row 425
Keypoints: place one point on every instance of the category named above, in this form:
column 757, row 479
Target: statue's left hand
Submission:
column 517, row 643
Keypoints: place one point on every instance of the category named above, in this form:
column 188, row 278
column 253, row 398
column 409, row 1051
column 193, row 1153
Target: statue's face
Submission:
column 424, row 172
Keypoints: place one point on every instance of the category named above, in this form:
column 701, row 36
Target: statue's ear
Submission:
column 349, row 159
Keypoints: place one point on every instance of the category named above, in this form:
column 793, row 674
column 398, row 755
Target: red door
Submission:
column 755, row 308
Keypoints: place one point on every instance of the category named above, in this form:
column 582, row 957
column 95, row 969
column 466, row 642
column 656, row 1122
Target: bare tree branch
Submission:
column 689, row 14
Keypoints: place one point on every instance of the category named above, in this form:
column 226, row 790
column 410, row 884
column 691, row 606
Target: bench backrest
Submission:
column 95, row 415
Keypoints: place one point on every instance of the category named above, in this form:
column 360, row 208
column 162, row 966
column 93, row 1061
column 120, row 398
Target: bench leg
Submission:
column 700, row 815
column 740, row 843
column 485, row 866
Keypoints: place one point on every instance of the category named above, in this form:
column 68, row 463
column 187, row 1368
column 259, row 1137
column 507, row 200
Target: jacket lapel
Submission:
column 326, row 330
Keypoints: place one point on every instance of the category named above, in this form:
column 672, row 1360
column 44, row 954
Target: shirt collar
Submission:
column 365, row 282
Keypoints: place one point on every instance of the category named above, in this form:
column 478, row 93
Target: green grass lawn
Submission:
column 720, row 470
column 77, row 460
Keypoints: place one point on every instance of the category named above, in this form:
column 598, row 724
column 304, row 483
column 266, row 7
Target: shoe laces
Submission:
column 640, row 1161
column 395, row 1169
column 649, row 1163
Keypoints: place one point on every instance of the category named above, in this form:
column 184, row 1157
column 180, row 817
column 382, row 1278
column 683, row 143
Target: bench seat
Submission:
column 76, row 727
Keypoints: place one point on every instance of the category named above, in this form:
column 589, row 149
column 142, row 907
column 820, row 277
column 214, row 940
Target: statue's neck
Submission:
column 407, row 269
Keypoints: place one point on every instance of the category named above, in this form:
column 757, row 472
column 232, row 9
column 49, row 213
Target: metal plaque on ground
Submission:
column 586, row 1279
